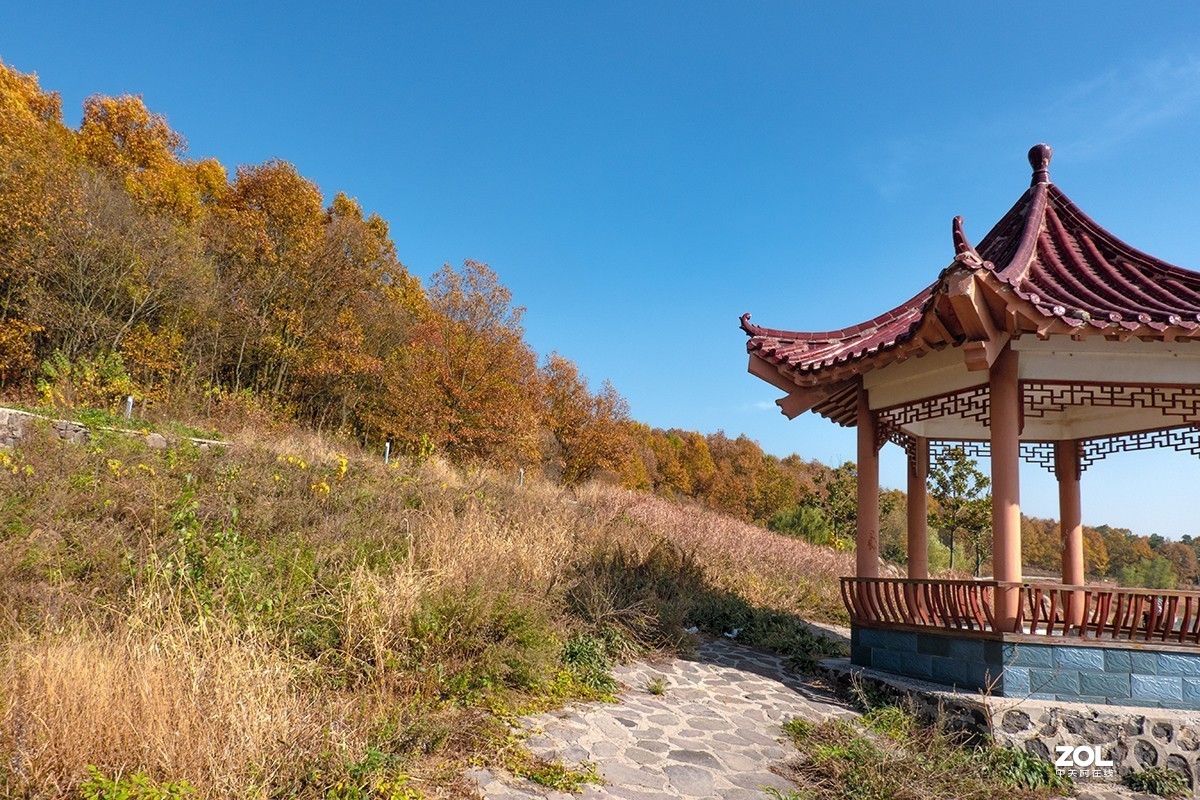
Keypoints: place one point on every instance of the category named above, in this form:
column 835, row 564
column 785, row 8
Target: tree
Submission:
column 805, row 522
column 1124, row 549
column 840, row 503
column 132, row 144
column 38, row 165
column 1041, row 543
column 963, row 506
column 467, row 381
column 1183, row 560
column 1149, row 573
column 589, row 430
column 1095, row 554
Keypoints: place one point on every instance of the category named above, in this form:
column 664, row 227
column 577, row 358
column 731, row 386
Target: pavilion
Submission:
column 1052, row 341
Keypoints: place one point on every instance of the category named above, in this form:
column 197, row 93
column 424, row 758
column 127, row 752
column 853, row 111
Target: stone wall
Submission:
column 1113, row 673
column 1132, row 738
column 16, row 425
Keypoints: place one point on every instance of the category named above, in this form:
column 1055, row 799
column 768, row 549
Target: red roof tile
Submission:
column 1051, row 254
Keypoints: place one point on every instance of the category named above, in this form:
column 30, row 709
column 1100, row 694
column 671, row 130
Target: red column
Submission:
column 867, row 535
column 1006, row 484
column 918, row 511
column 1066, row 469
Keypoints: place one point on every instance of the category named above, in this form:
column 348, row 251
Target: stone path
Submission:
column 712, row 733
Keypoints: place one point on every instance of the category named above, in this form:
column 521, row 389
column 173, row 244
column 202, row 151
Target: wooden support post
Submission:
column 1005, row 416
column 867, row 534
column 918, row 511
column 1066, row 469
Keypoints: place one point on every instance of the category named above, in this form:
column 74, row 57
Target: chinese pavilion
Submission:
column 1053, row 341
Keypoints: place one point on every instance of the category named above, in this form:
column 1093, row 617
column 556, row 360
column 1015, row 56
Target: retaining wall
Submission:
column 1132, row 738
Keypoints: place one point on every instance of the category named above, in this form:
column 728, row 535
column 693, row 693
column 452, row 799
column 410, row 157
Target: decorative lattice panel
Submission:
column 1183, row 439
column 1180, row 402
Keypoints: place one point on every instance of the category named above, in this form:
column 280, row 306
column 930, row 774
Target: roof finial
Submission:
column 1039, row 159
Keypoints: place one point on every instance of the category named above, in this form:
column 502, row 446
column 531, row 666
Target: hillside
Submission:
column 287, row 616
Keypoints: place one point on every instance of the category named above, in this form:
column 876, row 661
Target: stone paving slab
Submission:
column 713, row 732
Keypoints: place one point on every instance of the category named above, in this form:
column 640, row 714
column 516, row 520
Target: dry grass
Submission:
column 766, row 569
column 183, row 703
column 290, row 617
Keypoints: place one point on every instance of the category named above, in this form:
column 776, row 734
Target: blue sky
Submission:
column 640, row 174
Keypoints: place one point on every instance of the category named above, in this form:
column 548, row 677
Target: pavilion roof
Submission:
column 1045, row 268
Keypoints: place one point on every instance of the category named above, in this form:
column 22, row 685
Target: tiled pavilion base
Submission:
column 1111, row 673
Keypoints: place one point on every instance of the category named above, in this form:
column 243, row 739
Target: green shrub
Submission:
column 589, row 661
column 99, row 382
column 1018, row 768
column 137, row 786
column 1158, row 780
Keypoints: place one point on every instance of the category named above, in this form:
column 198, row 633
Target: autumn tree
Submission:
column 1041, row 543
column 130, row 143
column 1095, row 554
column 1124, row 549
column 108, row 269
column 589, row 430
column 467, row 381
column 1183, row 560
column 366, row 308
column 37, row 168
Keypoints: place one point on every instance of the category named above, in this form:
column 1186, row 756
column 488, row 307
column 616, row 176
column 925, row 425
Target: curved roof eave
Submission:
column 1059, row 272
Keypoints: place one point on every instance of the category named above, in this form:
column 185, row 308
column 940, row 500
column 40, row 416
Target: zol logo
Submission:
column 1082, row 761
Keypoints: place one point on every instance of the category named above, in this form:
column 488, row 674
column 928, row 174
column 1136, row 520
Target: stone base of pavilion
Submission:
column 1132, row 737
column 1075, row 669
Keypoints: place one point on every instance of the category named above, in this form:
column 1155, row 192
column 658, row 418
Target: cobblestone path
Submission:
column 712, row 733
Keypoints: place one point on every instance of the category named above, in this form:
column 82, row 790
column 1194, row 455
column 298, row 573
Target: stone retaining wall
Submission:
column 1132, row 738
column 16, row 425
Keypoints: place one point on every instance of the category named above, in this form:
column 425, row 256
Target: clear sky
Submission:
column 641, row 173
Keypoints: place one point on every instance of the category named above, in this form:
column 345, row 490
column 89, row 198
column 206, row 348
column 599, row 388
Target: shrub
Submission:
column 99, row 382
column 1158, row 780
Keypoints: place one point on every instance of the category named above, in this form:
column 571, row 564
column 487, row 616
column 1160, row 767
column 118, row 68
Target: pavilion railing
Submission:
column 1045, row 609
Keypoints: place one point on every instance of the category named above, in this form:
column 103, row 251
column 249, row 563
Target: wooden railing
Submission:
column 1045, row 609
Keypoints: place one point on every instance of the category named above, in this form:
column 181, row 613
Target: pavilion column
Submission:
column 1066, row 469
column 918, row 511
column 867, row 534
column 1005, row 414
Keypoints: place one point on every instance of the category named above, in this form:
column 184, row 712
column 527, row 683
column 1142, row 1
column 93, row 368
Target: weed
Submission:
column 137, row 786
column 657, row 685
column 588, row 659
column 1018, row 768
column 1158, row 780
column 556, row 775
column 785, row 794
column 889, row 753
column 717, row 612
column 376, row 776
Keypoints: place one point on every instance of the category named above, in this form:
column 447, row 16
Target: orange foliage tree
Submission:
column 589, row 431
column 467, row 382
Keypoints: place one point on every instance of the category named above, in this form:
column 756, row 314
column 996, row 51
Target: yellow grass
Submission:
column 181, row 703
